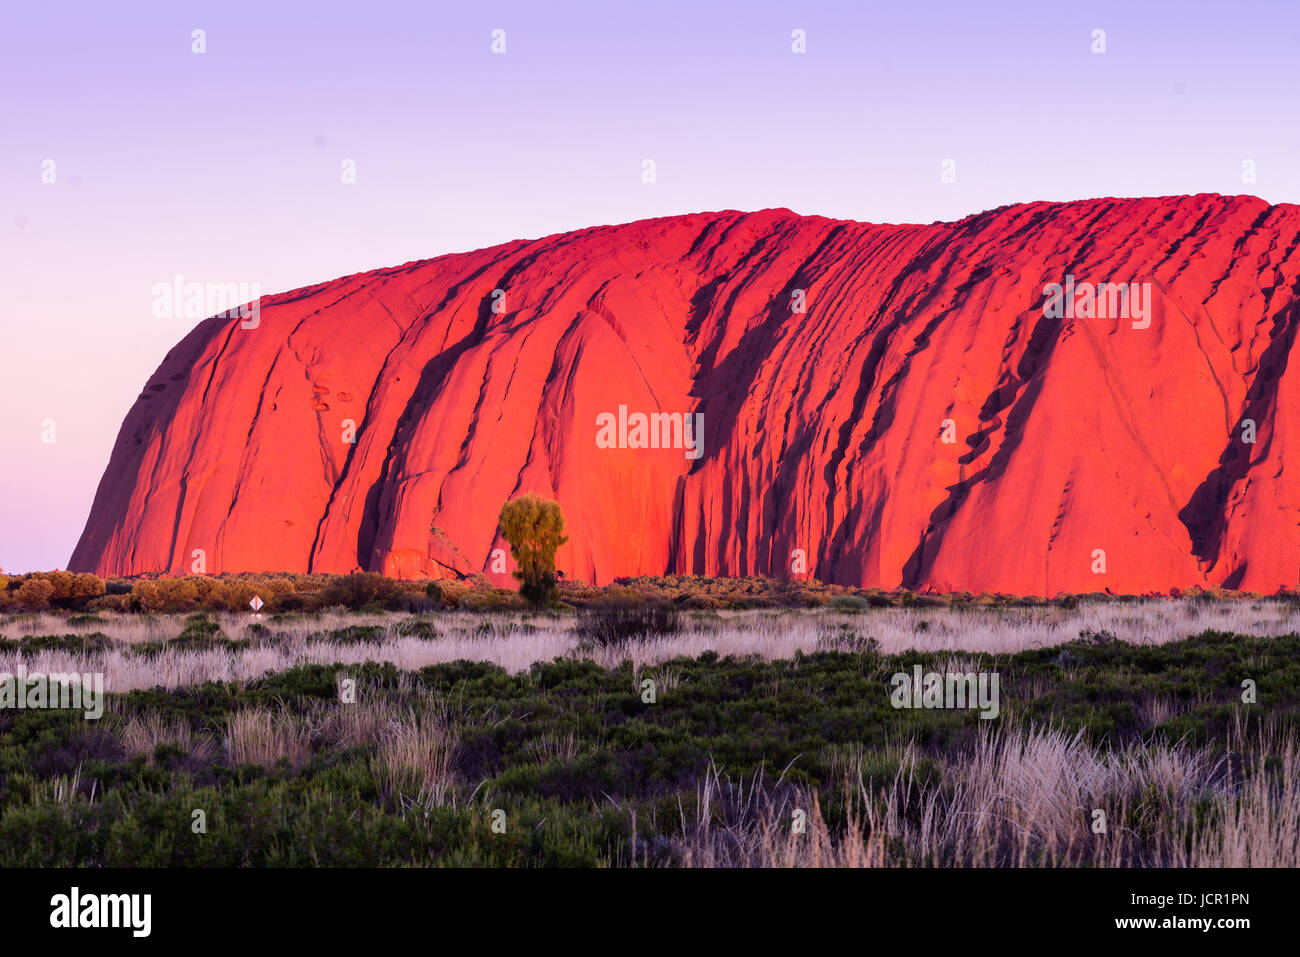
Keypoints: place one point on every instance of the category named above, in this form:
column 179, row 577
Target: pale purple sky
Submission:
column 225, row 166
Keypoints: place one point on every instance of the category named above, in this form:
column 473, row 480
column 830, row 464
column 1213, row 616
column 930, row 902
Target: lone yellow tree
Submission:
column 534, row 527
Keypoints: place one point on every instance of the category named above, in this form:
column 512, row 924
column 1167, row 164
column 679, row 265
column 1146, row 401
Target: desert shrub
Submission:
column 177, row 594
column 199, row 634
column 359, row 589
column 416, row 627
column 292, row 601
column 86, row 587
column 34, row 593
column 199, row 626
column 68, row 589
column 698, row 602
column 503, row 629
column 234, row 595
column 412, row 603
column 77, row 644
column 359, row 635
column 1097, row 639
column 534, row 527
column 489, row 599
column 120, row 603
column 146, row 596
column 613, row 623
column 848, row 603
column 844, row 638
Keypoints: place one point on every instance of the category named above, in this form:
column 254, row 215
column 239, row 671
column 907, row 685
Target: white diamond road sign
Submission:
column 256, row 603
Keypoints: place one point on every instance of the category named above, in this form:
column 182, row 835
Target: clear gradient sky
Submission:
column 226, row 166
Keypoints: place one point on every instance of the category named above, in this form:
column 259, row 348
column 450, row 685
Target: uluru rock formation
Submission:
column 881, row 405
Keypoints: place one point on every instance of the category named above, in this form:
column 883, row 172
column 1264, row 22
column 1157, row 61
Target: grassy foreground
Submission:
column 720, row 762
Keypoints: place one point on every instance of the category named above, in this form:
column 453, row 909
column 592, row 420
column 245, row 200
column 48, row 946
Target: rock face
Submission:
column 881, row 405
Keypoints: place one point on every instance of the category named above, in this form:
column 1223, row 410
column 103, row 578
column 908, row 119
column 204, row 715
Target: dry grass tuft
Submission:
column 141, row 734
column 415, row 756
column 262, row 737
column 1022, row 798
column 515, row 644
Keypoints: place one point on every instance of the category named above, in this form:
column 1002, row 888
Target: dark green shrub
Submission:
column 611, row 624
column 359, row 589
column 534, row 527
column 848, row 603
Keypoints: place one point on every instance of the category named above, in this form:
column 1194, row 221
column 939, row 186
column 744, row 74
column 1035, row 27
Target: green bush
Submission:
column 612, row 624
column 534, row 527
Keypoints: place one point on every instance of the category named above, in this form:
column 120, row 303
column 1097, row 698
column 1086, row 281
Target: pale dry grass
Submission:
column 1028, row 797
column 515, row 642
column 141, row 734
column 545, row 749
column 138, row 628
column 357, row 724
column 1258, row 824
column 264, row 737
column 740, row 823
column 416, row 754
column 1023, row 798
column 61, row 789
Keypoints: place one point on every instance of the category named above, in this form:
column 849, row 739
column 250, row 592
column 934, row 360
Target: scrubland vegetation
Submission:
column 516, row 738
column 368, row 591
